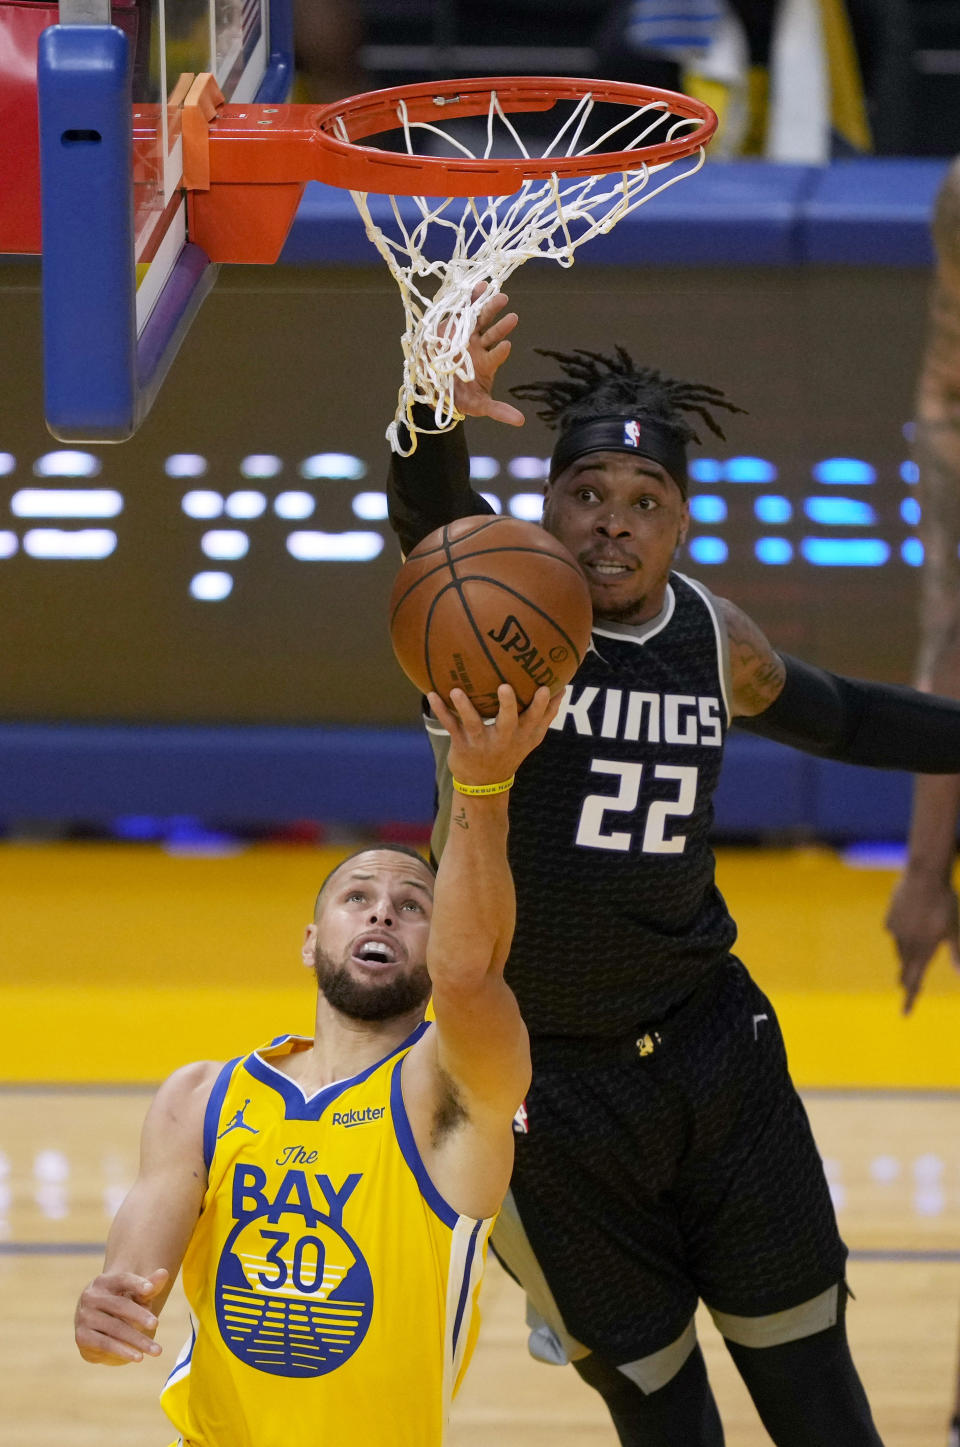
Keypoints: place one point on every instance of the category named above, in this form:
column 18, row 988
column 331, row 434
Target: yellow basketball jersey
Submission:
column 332, row 1290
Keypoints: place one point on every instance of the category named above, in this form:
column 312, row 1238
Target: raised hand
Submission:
column 489, row 348
column 113, row 1323
column 490, row 751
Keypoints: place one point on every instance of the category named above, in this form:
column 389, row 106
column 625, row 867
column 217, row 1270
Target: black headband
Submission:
column 643, row 436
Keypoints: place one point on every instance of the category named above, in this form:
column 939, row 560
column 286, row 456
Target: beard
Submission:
column 370, row 1001
column 625, row 613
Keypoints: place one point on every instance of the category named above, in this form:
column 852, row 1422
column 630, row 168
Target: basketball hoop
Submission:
column 490, row 212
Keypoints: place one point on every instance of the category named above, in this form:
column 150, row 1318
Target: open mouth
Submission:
column 606, row 569
column 375, row 952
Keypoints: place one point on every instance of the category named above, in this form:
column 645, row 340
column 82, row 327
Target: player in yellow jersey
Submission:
column 330, row 1199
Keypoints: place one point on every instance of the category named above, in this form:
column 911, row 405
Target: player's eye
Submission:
column 646, row 503
column 413, row 904
column 356, row 894
column 586, row 494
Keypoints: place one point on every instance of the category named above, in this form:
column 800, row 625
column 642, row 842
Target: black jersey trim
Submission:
column 720, row 634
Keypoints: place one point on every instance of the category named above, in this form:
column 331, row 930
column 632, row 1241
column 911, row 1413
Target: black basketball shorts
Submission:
column 645, row 1182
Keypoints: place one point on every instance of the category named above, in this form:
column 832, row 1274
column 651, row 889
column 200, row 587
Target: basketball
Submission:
column 490, row 600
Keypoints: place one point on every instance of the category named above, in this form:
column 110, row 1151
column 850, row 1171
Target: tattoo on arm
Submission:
column 757, row 671
column 460, row 819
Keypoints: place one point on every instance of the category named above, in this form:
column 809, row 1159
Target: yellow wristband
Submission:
column 481, row 789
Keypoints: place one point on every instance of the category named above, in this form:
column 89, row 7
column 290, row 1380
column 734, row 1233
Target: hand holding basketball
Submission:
column 489, row 753
column 490, row 600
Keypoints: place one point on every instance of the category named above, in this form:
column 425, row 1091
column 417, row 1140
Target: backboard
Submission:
column 121, row 281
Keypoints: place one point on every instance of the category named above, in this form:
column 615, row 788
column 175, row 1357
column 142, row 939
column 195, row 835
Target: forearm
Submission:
column 151, row 1231
column 938, row 459
column 933, row 824
column 474, row 905
column 938, row 453
column 854, row 722
column 431, row 486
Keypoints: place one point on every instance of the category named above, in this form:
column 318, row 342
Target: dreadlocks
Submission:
column 598, row 386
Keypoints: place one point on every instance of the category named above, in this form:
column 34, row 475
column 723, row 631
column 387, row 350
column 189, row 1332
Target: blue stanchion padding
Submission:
column 227, row 775
column 364, row 776
column 871, row 212
column 278, row 78
column 735, row 214
column 764, row 788
column 89, row 281
column 853, row 803
column 731, row 213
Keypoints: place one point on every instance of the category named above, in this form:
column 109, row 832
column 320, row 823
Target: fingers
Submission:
column 100, row 1336
column 503, row 412
column 156, row 1281
column 553, row 706
column 508, row 710
column 129, row 1284
column 912, row 971
column 458, row 715
column 910, row 981
column 459, row 711
column 471, row 721
column 442, row 712
column 112, row 1325
column 540, row 713
column 495, row 336
column 487, row 315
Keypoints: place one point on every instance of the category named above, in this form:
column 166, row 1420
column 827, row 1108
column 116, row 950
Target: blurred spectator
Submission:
column 326, row 44
column 794, row 80
column 798, row 80
column 924, row 912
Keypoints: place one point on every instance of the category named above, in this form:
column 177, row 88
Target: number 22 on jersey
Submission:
column 594, row 831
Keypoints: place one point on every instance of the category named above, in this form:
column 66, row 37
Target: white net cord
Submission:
column 490, row 237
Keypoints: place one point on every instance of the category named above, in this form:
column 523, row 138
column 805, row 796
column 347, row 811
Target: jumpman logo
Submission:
column 238, row 1123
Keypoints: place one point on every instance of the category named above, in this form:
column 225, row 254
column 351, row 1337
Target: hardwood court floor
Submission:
column 117, row 964
column 66, row 1156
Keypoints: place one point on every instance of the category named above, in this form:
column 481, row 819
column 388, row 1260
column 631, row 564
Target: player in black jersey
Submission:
column 664, row 1155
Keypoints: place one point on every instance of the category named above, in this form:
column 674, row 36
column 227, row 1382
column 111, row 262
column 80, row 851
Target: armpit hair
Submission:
column 450, row 1112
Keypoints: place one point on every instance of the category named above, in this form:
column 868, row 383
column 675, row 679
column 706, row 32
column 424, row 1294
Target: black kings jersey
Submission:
column 618, row 914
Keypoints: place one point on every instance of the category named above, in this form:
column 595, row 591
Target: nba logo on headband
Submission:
column 631, row 433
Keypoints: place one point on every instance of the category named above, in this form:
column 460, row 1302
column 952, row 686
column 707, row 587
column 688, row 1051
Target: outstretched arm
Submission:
column 116, row 1316
column 431, row 486
column 481, row 1041
column 923, row 911
column 847, row 719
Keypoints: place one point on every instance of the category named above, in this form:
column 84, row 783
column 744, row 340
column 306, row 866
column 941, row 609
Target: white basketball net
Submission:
column 491, row 236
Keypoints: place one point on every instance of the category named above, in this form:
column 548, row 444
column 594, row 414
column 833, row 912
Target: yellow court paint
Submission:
column 119, row 962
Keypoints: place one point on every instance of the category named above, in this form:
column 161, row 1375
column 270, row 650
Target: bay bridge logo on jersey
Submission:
column 631, row 434
column 294, row 1295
